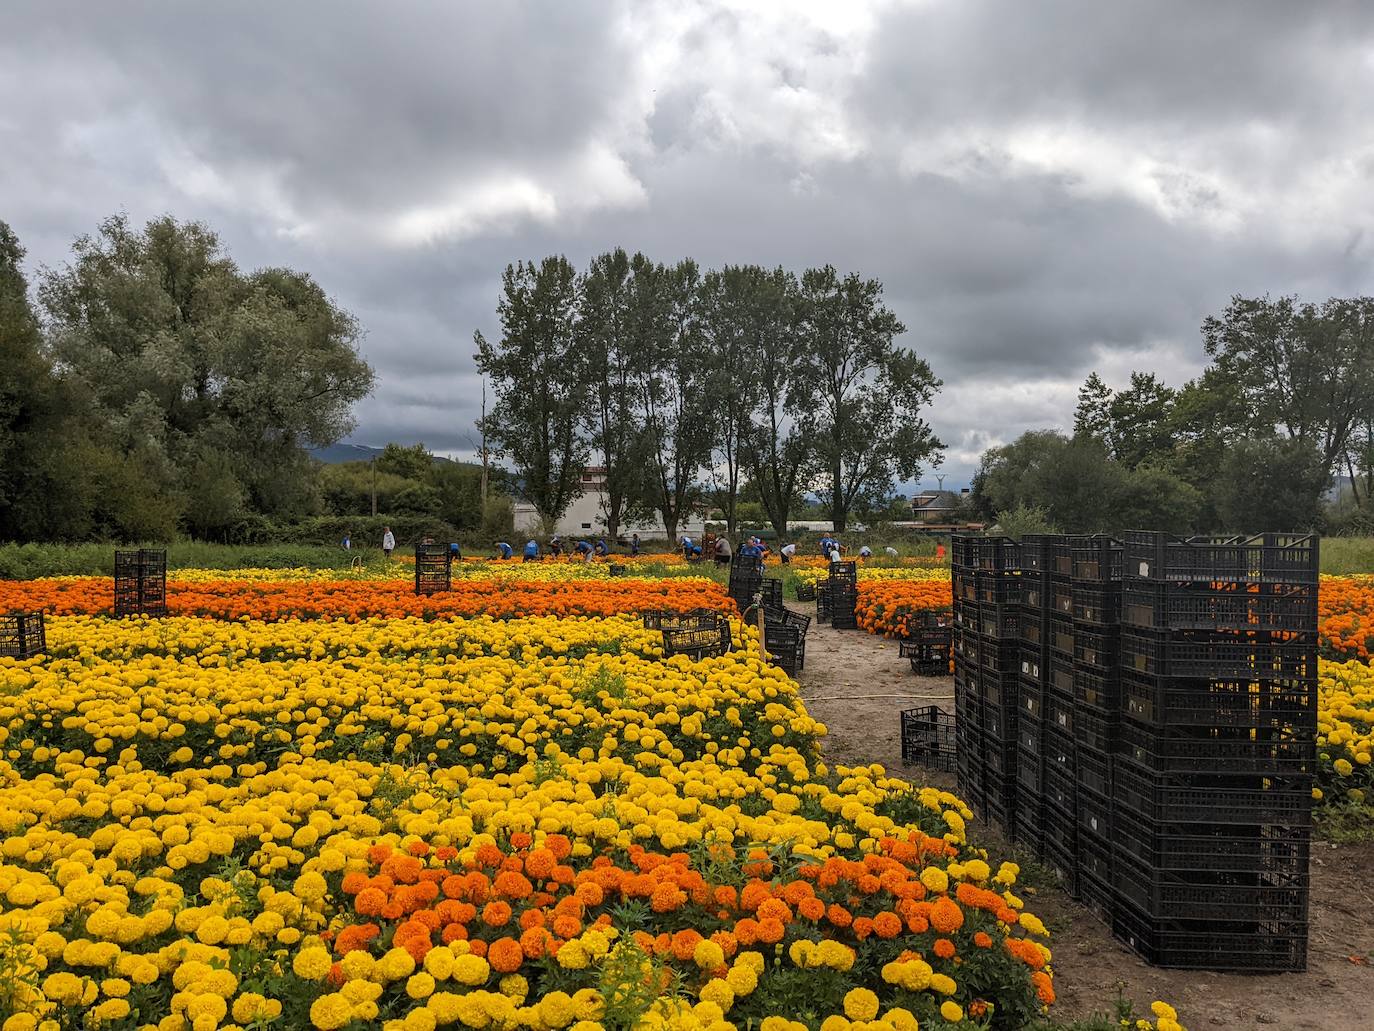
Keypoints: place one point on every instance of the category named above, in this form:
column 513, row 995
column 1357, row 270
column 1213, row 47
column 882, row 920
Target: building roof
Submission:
column 936, row 500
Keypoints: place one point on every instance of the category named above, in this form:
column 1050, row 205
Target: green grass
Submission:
column 25, row 561
column 1347, row 555
column 1344, row 824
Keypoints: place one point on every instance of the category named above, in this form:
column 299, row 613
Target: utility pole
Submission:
column 940, row 481
column 483, row 427
column 373, row 463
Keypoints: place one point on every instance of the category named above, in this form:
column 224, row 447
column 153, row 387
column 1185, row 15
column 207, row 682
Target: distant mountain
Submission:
column 337, row 453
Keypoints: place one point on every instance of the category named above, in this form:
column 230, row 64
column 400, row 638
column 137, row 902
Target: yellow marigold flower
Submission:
column 860, row 1004
column 935, row 879
column 708, row 955
column 313, row 963
column 420, row 985
column 951, row 1011
column 330, row 1012
column 718, row 991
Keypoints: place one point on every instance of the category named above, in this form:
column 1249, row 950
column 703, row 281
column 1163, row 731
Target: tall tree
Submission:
column 182, row 356
column 676, row 408
column 726, row 298
column 1139, row 416
column 1302, row 368
column 1271, row 483
column 867, row 393
column 608, row 362
column 540, row 401
column 1092, row 418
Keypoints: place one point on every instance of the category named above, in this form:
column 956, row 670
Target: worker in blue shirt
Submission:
column 455, row 553
column 751, row 550
column 634, row 544
column 601, row 547
column 686, row 544
column 531, row 550
column 585, row 550
column 503, row 550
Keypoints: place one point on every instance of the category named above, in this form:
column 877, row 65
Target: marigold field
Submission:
column 310, row 802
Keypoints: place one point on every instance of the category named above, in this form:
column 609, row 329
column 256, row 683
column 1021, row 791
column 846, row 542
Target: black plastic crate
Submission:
column 659, row 619
column 1267, row 849
column 1060, row 676
column 1030, row 738
column 1096, row 648
column 1097, row 604
column 1060, row 834
column 1097, row 690
column 1035, row 661
column 999, row 621
column 1059, row 713
column 966, row 615
column 964, row 586
column 998, row 689
column 140, row 582
column 1176, row 655
column 823, row 601
column 1033, row 591
column 1095, row 858
column 995, row 553
column 1219, row 703
column 1094, row 771
column 1096, row 818
column 997, row 588
column 1030, row 699
column 1000, row 758
column 699, row 642
column 1252, row 947
column 1095, row 559
column 1096, row 730
column 845, row 572
column 1028, row 822
column 1048, row 552
column 1210, row 895
column 961, row 548
column 787, row 617
column 1030, row 778
column 1061, row 790
column 997, row 655
column 1185, row 798
column 1030, row 629
column 928, row 738
column 999, row 723
column 1264, row 558
column 433, row 568
column 968, row 707
column 806, row 591
column 1225, row 750
column 1061, row 598
column 1206, row 607
column 1059, row 636
column 22, row 635
column 785, row 645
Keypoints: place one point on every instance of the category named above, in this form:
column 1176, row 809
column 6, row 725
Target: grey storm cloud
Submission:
column 1044, row 189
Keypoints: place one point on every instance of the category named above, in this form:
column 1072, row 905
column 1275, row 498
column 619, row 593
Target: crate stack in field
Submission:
column 746, row 580
column 986, row 658
column 22, row 635
column 433, row 568
column 1213, row 774
column 140, row 583
column 843, row 588
column 968, row 703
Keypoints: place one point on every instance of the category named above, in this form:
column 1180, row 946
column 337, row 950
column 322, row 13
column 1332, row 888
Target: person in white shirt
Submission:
column 865, row 552
column 787, row 551
column 891, row 552
column 388, row 543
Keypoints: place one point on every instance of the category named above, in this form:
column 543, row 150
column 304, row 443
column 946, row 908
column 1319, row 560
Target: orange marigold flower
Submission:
column 559, row 845
column 354, row 882
column 727, row 943
column 868, row 884
column 489, row 855
column 945, row 915
column 978, row 1008
column 771, row 930
column 512, row 885
column 446, row 853
column 453, row 933
column 520, row 839
column 838, row 915
column 747, row 931
column 685, row 943
column 811, row 908
column 531, row 918
column 478, row 947
column 567, row 926
column 505, row 955
column 418, row 848
column 754, row 893
column 887, row 925
column 1044, row 987
column 726, row 896
column 944, row 948
column 355, row 937
column 775, row 909
column 370, row 901
column 539, row 863
column 982, row 940
column 666, row 898
column 589, row 893
column 376, row 855
column 534, row 942
column 863, row 927
column 496, row 914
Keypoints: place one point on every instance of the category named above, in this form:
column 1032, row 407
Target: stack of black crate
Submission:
column 433, row 568
column 140, row 583
column 746, row 580
column 991, row 651
column 968, row 702
column 1214, row 769
column 1042, row 578
column 1095, row 564
column 843, row 587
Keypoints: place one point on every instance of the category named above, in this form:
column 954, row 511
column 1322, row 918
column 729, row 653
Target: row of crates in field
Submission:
column 1141, row 712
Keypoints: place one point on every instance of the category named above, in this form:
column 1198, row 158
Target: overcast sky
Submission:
column 1044, row 188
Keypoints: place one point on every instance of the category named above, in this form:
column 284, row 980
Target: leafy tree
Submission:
column 676, row 408
column 214, row 498
column 1023, row 519
column 1272, row 484
column 459, row 489
column 609, row 362
column 1139, row 417
column 179, row 354
column 409, row 463
column 1303, row 368
column 1092, row 418
column 866, row 394
column 1151, row 498
column 540, row 399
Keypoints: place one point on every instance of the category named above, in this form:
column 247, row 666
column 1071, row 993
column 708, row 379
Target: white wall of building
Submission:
column 586, row 517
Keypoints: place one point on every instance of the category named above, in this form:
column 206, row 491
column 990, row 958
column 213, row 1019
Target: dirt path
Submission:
column 846, row 668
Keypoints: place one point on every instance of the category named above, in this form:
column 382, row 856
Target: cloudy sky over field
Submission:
column 1045, row 189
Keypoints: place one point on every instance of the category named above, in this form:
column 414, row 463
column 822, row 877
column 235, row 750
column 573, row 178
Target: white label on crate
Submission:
column 1144, row 569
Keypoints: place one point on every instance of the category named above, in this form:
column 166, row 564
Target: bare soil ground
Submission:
column 856, row 684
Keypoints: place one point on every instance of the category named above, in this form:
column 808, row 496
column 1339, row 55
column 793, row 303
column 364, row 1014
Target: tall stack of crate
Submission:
column 1095, row 564
column 1214, row 771
column 22, row 635
column 843, row 586
column 968, row 702
column 746, row 580
column 433, row 568
column 140, row 583
column 1036, row 559
column 993, row 649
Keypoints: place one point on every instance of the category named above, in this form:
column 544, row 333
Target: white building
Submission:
column 586, row 516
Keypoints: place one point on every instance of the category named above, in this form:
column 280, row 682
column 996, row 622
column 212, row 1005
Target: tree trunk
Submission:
column 1354, row 485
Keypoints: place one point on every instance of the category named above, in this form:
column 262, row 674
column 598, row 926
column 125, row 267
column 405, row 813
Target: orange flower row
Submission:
column 364, row 599
column 1345, row 614
column 885, row 606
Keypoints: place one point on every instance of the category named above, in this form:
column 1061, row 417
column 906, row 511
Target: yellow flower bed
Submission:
column 468, row 569
column 814, row 575
column 1345, row 732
